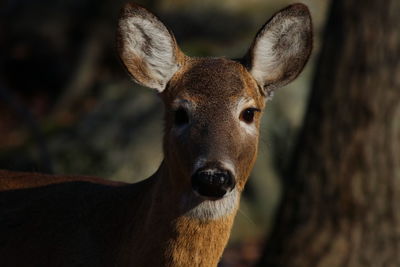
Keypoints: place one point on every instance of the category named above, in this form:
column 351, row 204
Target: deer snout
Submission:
column 213, row 182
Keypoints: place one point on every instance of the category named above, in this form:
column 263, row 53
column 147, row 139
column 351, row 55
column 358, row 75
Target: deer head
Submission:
column 213, row 105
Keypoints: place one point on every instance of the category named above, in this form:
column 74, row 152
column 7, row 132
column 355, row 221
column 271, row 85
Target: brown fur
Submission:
column 20, row 180
column 85, row 221
column 214, row 86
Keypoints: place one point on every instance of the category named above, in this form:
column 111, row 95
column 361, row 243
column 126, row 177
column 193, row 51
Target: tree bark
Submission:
column 341, row 199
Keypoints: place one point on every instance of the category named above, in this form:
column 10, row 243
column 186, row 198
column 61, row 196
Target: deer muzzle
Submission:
column 212, row 182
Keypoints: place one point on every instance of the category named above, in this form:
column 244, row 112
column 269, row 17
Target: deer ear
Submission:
column 281, row 48
column 146, row 47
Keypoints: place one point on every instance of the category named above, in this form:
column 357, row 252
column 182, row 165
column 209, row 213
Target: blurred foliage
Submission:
column 67, row 106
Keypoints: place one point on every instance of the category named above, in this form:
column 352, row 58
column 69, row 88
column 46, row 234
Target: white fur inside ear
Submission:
column 149, row 43
column 281, row 48
column 269, row 59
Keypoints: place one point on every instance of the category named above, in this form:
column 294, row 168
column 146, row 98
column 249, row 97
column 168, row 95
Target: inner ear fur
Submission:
column 146, row 47
column 281, row 48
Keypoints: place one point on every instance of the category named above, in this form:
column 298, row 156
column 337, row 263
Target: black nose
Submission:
column 212, row 182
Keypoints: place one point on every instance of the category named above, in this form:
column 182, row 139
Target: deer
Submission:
column 181, row 215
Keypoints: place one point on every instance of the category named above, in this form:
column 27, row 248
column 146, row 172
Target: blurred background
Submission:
column 68, row 107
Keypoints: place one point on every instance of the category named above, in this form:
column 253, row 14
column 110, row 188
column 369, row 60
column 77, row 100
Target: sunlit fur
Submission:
column 280, row 47
column 147, row 48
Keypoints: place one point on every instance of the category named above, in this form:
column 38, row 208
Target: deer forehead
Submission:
column 214, row 82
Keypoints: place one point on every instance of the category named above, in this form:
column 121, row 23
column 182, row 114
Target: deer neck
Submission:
column 171, row 235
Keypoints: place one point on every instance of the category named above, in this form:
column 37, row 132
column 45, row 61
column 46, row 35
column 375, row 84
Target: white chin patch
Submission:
column 196, row 207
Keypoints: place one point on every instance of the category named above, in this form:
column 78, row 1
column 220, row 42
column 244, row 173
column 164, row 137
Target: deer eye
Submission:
column 181, row 117
column 247, row 115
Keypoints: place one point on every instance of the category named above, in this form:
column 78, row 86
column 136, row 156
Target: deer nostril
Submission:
column 213, row 183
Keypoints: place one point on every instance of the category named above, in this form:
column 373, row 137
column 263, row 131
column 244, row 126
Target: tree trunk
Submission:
column 341, row 199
